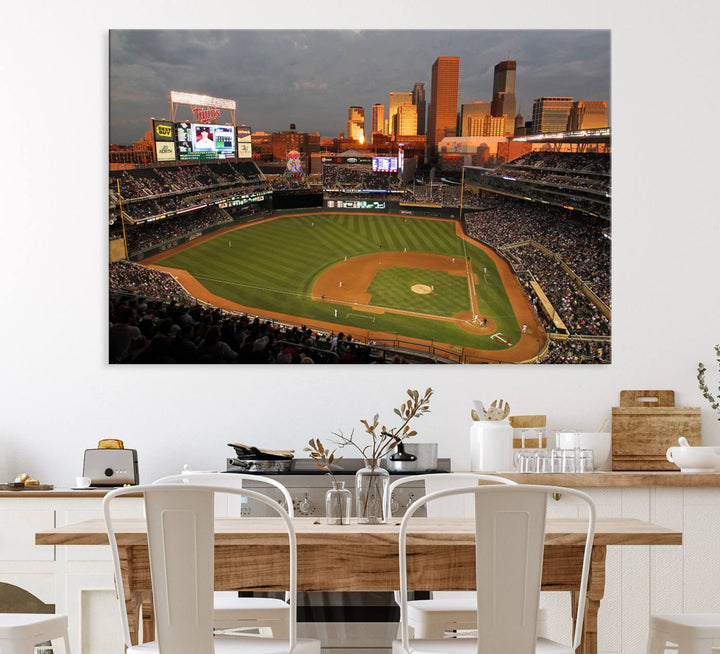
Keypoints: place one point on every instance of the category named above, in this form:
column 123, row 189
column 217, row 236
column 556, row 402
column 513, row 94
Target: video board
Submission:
column 355, row 204
column 200, row 141
column 384, row 164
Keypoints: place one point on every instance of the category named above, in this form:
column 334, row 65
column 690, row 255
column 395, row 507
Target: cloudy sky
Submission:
column 310, row 78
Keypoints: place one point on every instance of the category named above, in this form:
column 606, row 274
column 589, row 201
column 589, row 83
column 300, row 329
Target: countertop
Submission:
column 642, row 479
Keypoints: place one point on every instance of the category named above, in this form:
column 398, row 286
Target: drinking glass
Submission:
column 526, row 461
column 517, row 454
column 585, row 461
column 543, row 461
column 539, row 433
column 568, row 460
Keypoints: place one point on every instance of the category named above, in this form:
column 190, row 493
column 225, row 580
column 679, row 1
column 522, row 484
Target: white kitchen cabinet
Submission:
column 78, row 580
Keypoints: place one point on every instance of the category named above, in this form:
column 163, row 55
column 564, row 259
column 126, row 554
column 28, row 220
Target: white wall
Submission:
column 57, row 394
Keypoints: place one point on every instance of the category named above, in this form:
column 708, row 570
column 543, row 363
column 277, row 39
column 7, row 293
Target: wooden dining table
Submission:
column 251, row 554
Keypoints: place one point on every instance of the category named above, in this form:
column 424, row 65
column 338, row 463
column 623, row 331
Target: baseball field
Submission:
column 367, row 274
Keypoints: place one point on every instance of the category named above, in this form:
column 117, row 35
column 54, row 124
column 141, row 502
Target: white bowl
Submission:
column 599, row 442
column 695, row 459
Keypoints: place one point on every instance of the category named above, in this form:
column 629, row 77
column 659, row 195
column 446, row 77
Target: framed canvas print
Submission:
column 365, row 197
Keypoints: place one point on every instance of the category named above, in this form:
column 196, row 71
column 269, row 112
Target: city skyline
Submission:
column 310, row 78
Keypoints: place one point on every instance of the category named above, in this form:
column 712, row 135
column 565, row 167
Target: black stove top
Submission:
column 345, row 467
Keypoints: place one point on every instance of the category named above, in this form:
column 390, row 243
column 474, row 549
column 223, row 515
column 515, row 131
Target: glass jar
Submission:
column 371, row 487
column 338, row 501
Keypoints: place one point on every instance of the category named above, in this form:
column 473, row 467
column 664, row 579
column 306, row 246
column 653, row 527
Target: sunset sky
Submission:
column 310, row 78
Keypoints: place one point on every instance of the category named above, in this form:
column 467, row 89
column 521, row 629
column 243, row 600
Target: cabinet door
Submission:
column 17, row 537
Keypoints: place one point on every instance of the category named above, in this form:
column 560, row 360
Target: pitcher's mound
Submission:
column 421, row 289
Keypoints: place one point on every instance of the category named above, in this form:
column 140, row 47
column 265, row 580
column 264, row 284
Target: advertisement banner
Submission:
column 165, row 151
column 163, row 130
column 244, row 142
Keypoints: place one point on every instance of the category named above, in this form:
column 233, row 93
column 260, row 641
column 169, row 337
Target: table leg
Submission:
column 133, row 606
column 596, row 591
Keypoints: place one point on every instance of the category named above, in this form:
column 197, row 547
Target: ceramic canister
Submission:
column 491, row 446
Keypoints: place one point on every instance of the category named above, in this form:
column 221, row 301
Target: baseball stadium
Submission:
column 364, row 260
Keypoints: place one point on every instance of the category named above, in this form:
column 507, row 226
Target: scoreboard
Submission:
column 384, row 164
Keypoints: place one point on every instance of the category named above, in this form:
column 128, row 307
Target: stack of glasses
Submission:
column 557, row 460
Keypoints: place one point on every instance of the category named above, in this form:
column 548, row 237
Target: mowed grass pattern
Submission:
column 273, row 265
column 393, row 288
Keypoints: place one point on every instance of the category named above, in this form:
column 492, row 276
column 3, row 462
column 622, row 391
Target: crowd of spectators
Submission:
column 560, row 179
column 150, row 235
column 590, row 162
column 131, row 279
column 577, row 351
column 153, row 320
column 158, row 191
column 348, row 177
column 582, row 245
column 284, row 183
column 574, row 308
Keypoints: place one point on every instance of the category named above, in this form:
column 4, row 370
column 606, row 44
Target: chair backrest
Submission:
column 180, row 530
column 229, row 479
column 444, row 480
column 509, row 545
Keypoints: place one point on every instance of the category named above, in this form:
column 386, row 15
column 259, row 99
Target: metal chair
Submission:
column 693, row 633
column 509, row 546
column 451, row 611
column 266, row 614
column 180, row 530
column 20, row 632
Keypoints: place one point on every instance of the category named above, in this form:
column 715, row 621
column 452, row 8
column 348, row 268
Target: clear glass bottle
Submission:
column 338, row 503
column 371, row 487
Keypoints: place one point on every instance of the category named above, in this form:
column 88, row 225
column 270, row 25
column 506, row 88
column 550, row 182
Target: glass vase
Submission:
column 338, row 501
column 371, row 485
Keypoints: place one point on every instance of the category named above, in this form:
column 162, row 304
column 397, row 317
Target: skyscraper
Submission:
column 418, row 94
column 550, row 114
column 442, row 114
column 406, row 120
column 486, row 125
column 378, row 118
column 503, row 102
column 356, row 124
column 397, row 98
column 588, row 114
column 476, row 110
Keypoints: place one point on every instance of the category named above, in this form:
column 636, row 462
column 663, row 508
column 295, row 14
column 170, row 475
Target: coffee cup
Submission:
column 82, row 482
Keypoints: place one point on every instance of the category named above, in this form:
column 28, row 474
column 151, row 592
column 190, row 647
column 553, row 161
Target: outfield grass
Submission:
column 273, row 265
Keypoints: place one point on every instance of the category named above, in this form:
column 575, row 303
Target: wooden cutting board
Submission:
column 645, row 425
column 7, row 487
column 528, row 422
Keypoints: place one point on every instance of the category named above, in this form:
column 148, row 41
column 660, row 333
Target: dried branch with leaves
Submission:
column 384, row 440
column 323, row 457
column 702, row 370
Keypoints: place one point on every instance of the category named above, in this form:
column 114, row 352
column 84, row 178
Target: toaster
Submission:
column 111, row 467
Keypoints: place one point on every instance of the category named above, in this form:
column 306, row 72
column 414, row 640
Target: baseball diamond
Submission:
column 371, row 275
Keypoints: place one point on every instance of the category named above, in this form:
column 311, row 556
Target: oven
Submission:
column 344, row 622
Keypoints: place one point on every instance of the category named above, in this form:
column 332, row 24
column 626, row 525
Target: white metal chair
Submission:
column 180, row 529
column 446, row 611
column 20, row 632
column 693, row 633
column 509, row 545
column 266, row 614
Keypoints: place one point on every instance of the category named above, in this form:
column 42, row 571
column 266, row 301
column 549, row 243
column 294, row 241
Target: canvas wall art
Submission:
column 360, row 197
